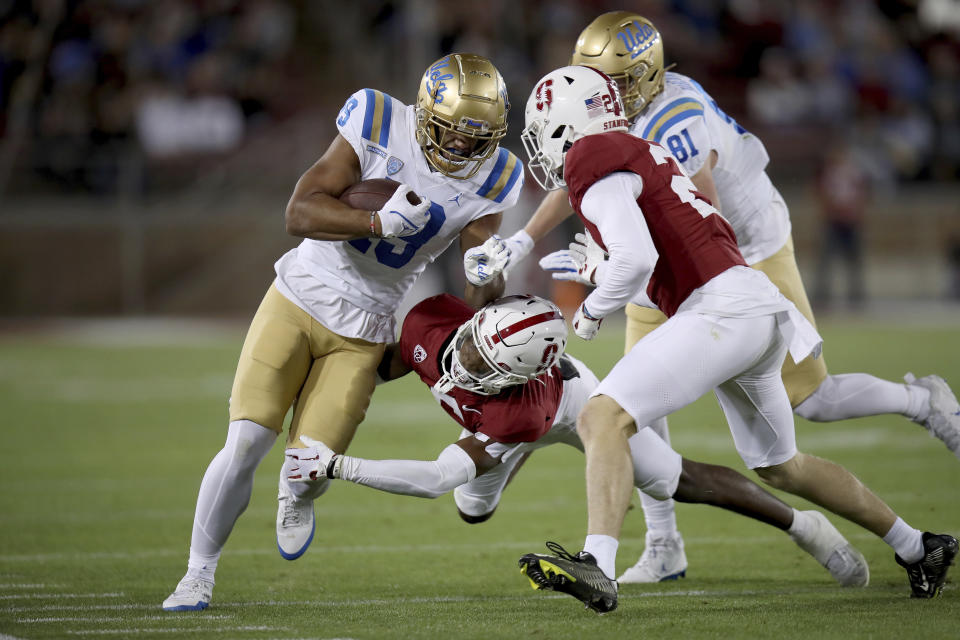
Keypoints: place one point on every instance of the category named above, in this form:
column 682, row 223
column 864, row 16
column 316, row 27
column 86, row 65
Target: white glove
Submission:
column 313, row 462
column 585, row 326
column 484, row 263
column 399, row 218
column 520, row 245
column 583, row 262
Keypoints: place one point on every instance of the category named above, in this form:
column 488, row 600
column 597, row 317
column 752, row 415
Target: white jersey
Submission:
column 687, row 121
column 367, row 278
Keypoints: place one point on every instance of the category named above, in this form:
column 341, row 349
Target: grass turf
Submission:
column 105, row 440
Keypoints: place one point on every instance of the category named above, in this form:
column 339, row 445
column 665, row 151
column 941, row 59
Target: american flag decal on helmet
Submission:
column 595, row 106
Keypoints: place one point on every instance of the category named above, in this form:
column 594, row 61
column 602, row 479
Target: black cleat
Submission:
column 928, row 575
column 576, row 575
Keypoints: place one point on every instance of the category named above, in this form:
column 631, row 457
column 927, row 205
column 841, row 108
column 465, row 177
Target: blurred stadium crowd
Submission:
column 91, row 87
column 135, row 134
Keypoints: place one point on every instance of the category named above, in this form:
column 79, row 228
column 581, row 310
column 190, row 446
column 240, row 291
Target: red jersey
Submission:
column 692, row 248
column 521, row 413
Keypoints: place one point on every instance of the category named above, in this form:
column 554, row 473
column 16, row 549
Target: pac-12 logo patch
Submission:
column 394, row 164
column 419, row 354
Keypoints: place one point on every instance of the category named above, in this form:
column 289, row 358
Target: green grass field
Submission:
column 105, row 438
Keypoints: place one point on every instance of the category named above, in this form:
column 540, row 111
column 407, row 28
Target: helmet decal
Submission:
column 434, row 82
column 506, row 332
column 641, row 40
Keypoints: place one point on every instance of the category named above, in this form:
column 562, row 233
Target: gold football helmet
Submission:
column 628, row 48
column 462, row 99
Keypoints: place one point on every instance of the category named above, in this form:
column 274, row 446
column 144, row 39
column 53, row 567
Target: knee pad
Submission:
column 656, row 467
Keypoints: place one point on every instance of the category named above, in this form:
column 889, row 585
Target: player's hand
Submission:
column 583, row 262
column 400, row 218
column 312, row 462
column 484, row 263
column 585, row 325
column 520, row 245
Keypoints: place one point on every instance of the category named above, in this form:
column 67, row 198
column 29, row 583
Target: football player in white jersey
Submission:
column 320, row 332
column 727, row 165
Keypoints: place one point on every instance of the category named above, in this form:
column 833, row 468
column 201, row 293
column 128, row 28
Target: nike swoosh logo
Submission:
column 466, row 408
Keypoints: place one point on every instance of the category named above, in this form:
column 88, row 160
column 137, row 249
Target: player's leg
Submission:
column 671, row 367
column 660, row 472
column 332, row 402
column 663, row 545
column 820, row 397
column 272, row 364
column 758, row 411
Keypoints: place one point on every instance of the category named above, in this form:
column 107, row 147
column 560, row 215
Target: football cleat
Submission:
column 831, row 549
column 943, row 421
column 191, row 594
column 578, row 576
column 928, row 575
column 663, row 559
column 295, row 523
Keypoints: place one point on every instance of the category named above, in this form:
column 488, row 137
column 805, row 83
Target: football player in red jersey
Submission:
column 728, row 330
column 501, row 373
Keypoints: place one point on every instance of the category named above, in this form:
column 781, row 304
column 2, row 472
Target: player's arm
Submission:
column 392, row 365
column 703, row 181
column 473, row 235
column 457, row 464
column 314, row 210
column 611, row 204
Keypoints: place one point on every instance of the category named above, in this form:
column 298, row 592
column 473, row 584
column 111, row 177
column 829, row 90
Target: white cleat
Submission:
column 943, row 421
column 662, row 559
column 191, row 594
column 295, row 523
column 831, row 549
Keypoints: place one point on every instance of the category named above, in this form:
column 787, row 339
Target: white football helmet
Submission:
column 519, row 338
column 565, row 105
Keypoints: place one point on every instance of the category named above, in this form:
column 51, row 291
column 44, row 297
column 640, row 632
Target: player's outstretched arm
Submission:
column 458, row 464
column 314, row 210
column 725, row 488
column 473, row 235
column 392, row 365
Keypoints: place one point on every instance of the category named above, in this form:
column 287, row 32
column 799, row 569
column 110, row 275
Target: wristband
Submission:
column 373, row 226
column 333, row 467
column 586, row 314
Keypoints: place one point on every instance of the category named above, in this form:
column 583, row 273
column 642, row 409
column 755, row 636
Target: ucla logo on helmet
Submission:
column 436, row 81
column 641, row 40
column 419, row 354
column 394, row 164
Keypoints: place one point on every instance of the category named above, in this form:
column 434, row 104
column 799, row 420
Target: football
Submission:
column 371, row 195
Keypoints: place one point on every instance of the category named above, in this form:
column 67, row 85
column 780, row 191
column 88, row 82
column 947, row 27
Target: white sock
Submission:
column 801, row 525
column 225, row 492
column 906, row 541
column 855, row 395
column 604, row 549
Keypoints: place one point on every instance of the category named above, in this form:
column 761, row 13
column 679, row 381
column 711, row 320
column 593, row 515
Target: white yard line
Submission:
column 50, row 596
column 191, row 630
column 99, row 620
column 340, row 549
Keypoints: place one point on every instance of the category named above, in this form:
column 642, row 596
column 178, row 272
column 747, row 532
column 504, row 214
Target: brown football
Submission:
column 371, row 195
